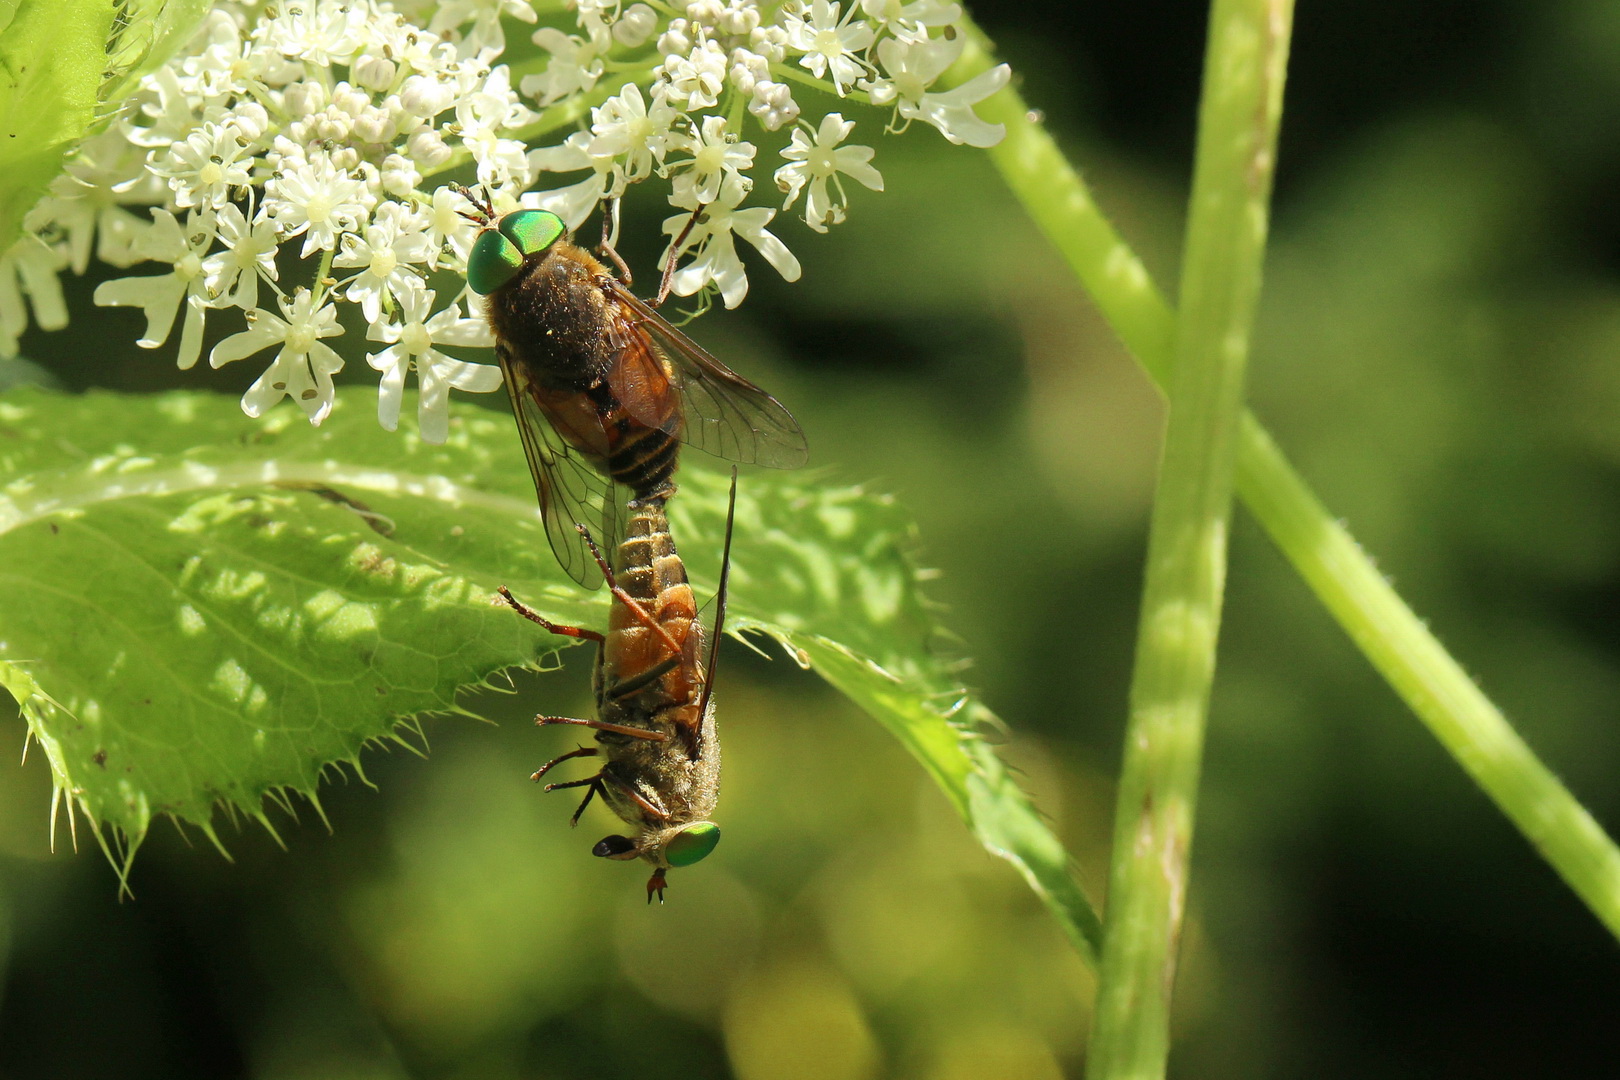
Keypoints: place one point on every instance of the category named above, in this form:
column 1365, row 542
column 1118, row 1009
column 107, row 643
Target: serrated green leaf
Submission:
column 146, row 34
column 201, row 610
column 52, row 60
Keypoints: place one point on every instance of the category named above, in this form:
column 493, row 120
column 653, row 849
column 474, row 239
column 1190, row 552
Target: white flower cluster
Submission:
column 310, row 130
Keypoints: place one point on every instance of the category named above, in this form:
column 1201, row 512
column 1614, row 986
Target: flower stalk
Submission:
column 1187, row 545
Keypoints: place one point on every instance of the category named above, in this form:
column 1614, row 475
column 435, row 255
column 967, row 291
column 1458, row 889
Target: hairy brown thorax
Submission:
column 585, row 362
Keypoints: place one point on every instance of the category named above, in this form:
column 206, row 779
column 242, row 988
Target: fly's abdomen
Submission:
column 643, row 459
column 650, row 571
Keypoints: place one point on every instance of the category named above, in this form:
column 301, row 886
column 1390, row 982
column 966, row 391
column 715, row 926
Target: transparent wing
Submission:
column 570, row 490
column 724, row 413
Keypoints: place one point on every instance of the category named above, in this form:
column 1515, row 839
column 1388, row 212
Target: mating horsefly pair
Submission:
column 604, row 391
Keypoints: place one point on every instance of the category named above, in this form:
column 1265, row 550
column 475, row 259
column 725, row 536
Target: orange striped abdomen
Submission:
column 650, row 571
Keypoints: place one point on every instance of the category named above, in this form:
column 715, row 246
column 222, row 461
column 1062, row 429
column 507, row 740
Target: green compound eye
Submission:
column 494, row 261
column 692, row 843
column 531, row 230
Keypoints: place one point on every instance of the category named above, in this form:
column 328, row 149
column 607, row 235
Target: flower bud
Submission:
column 251, row 119
column 303, row 98
column 425, row 96
column 635, row 26
column 738, row 20
column 675, row 41
column 706, row 12
column 428, row 149
column 374, row 72
column 374, row 126
column 399, row 175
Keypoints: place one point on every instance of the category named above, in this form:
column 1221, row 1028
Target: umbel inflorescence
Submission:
column 299, row 156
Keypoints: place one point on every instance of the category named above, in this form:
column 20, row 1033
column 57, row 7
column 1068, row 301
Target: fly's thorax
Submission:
column 679, row 789
column 552, row 317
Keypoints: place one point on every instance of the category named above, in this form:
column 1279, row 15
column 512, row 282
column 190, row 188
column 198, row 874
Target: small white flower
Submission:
column 831, row 46
column 694, row 80
column 87, row 201
column 816, row 158
column 447, row 228
column 485, row 16
column 748, row 70
column 624, row 127
column 317, row 200
column 385, row 249
column 483, row 116
column 203, row 170
column 159, row 295
column 576, row 64
column 302, row 369
column 716, row 155
column 493, row 106
column 410, row 345
column 716, row 262
column 913, row 66
column 232, row 276
column 30, row 267
column 738, row 18
column 773, row 105
column 574, row 203
column 770, row 42
column 319, row 34
column 909, row 21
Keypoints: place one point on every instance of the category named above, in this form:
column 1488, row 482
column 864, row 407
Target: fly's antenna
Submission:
column 484, row 211
column 719, row 601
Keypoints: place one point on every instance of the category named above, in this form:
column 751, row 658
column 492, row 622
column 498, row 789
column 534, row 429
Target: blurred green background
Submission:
column 1439, row 352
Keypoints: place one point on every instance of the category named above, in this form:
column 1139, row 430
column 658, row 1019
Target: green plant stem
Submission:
column 1186, row 561
column 1345, row 580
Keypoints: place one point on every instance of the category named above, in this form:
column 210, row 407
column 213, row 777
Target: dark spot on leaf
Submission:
column 378, row 563
column 100, row 758
column 379, row 523
column 381, row 691
column 55, row 528
column 147, row 701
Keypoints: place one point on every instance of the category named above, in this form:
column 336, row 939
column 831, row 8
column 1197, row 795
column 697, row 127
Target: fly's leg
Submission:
column 584, row 751
column 668, row 279
column 593, row 786
column 636, row 683
column 535, row 617
column 631, row 604
column 610, row 229
column 602, row 725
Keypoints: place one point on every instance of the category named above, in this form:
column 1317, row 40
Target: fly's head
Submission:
column 506, row 242
column 671, row 846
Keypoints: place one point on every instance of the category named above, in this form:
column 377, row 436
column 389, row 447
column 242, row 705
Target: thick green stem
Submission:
column 1345, row 580
column 1186, row 563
